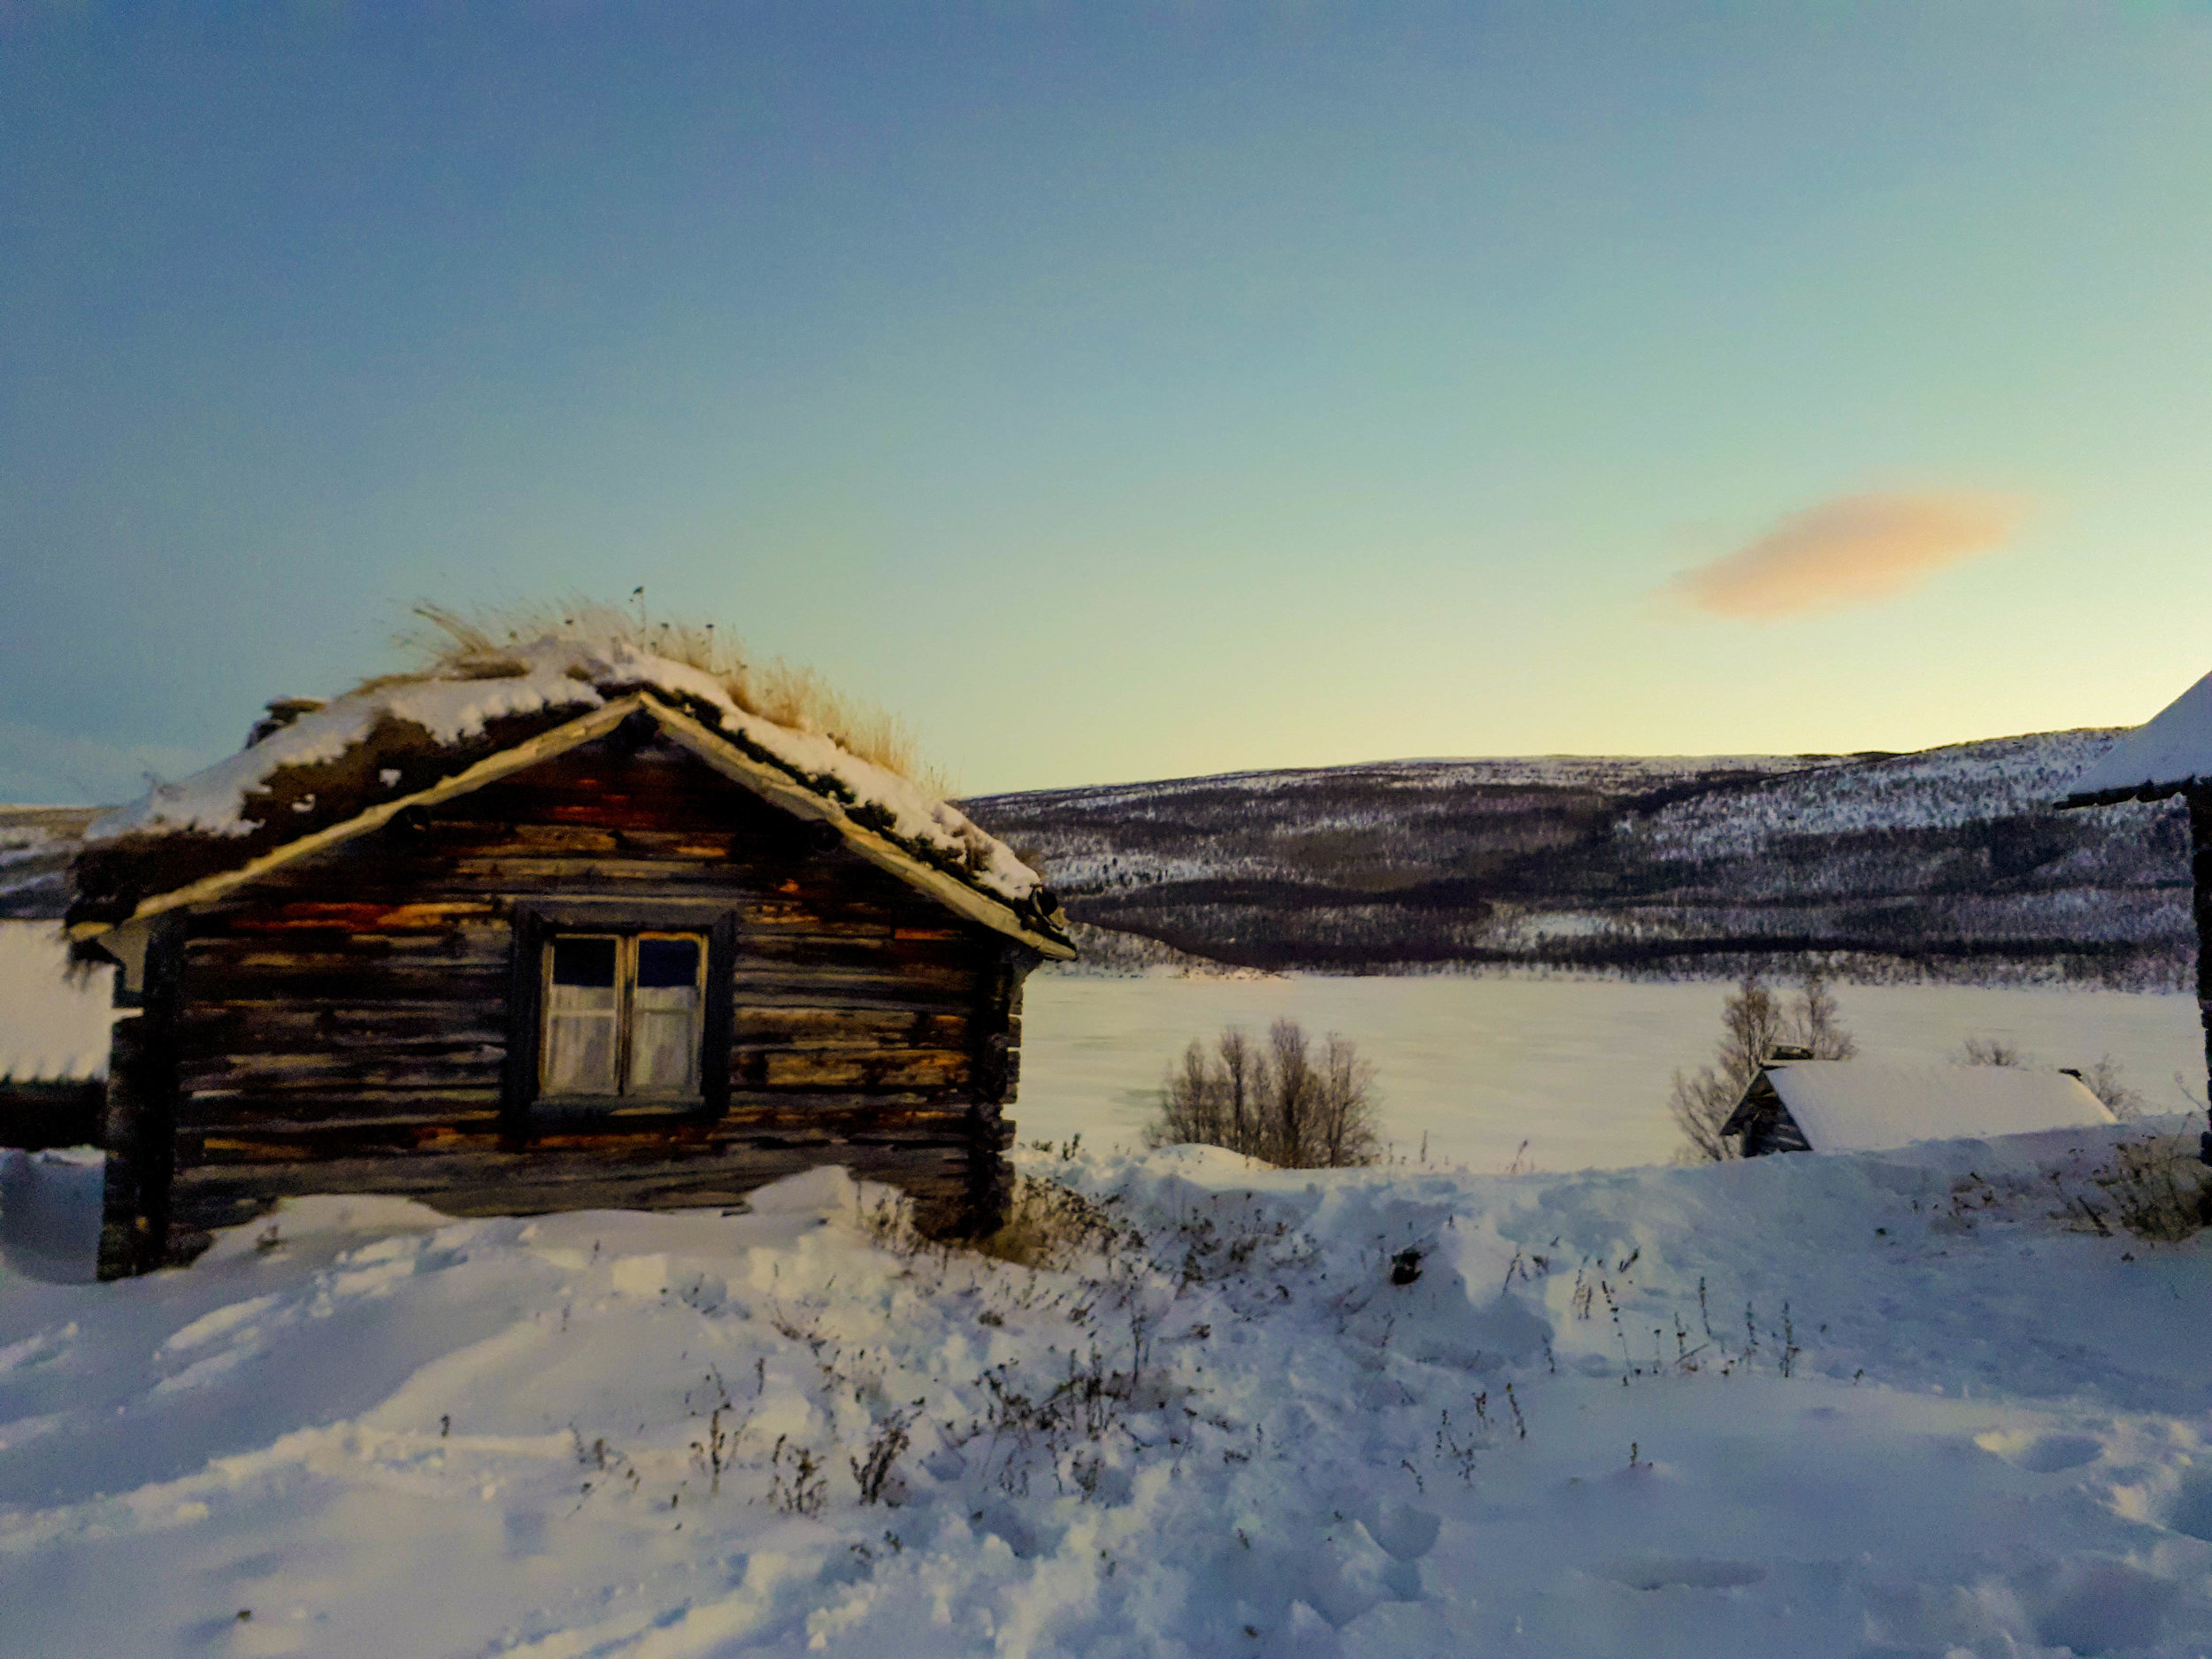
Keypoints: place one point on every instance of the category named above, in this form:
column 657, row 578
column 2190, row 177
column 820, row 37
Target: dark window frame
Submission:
column 535, row 924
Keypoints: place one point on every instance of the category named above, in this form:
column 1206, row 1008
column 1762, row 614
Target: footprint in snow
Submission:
column 1665, row 1573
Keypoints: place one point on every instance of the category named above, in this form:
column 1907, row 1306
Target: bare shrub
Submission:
column 2158, row 1187
column 1992, row 1051
column 1282, row 1103
column 2103, row 1080
column 798, row 1485
column 1755, row 1024
column 872, row 1473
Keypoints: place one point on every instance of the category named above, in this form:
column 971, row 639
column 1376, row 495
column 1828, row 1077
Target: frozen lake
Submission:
column 1578, row 1068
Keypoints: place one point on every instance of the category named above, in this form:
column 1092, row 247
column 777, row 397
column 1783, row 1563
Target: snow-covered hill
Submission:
column 1953, row 862
column 1912, row 1403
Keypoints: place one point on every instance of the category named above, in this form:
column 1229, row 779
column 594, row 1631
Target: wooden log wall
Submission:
column 2200, row 867
column 343, row 1024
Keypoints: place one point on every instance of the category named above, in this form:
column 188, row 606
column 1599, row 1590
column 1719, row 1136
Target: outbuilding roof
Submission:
column 1869, row 1106
column 2167, row 754
column 54, row 1019
column 341, row 769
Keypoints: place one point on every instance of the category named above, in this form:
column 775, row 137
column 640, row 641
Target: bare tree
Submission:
column 1814, row 1024
column 1279, row 1102
column 1755, row 1024
column 1344, row 1131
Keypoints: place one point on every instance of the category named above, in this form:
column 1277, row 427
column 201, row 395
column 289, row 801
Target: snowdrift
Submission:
column 1929, row 1402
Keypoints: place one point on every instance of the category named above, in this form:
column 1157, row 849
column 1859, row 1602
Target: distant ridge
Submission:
column 36, row 844
column 1951, row 863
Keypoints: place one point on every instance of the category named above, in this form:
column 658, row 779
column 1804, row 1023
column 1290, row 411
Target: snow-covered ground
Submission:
column 1874, row 1404
column 1578, row 1068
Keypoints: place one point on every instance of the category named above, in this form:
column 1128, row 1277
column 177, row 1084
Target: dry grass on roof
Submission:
column 480, row 644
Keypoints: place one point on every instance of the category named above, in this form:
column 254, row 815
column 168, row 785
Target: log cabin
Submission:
column 2170, row 754
column 553, row 927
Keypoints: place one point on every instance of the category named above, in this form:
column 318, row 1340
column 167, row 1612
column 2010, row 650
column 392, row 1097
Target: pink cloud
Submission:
column 1852, row 550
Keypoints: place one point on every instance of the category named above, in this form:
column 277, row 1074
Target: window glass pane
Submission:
column 664, row 1018
column 582, row 1019
column 580, row 1042
column 663, row 962
column 584, row 962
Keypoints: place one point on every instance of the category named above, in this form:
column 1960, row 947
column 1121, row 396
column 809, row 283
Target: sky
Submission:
column 1112, row 391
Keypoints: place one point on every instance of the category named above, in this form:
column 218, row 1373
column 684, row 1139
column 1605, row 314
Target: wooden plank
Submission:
column 357, row 918
column 279, row 1076
column 456, row 947
column 267, row 1138
column 209, row 1107
column 477, row 984
column 338, row 1138
column 519, row 874
column 819, row 1027
column 481, row 1183
column 237, row 1027
column 834, row 984
column 811, row 1069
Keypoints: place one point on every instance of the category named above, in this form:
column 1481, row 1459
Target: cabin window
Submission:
column 625, row 1015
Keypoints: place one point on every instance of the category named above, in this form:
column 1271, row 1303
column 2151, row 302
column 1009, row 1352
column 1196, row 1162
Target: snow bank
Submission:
column 1876, row 1404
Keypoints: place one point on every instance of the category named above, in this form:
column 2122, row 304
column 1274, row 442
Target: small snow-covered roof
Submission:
column 343, row 767
column 1868, row 1106
column 2165, row 754
column 54, row 1022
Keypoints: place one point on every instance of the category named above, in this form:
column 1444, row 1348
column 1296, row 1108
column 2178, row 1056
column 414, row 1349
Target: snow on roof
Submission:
column 1867, row 1106
column 436, row 726
column 2164, row 755
column 53, row 1027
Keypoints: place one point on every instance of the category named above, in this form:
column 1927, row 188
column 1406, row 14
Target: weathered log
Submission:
column 818, row 1027
column 487, row 1183
column 138, row 1123
column 813, row 1070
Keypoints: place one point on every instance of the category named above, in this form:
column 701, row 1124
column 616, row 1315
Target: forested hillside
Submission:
column 1950, row 862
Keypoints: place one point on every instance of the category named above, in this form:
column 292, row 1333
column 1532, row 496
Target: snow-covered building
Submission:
column 554, row 927
column 2168, row 755
column 1866, row 1106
